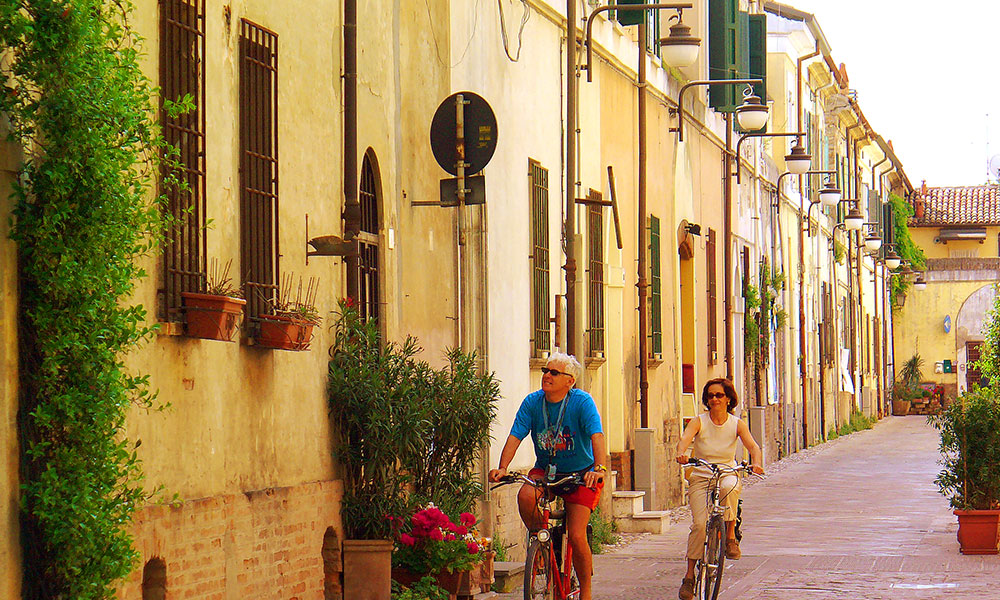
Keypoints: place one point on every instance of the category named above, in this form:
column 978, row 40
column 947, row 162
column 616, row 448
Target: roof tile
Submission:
column 965, row 205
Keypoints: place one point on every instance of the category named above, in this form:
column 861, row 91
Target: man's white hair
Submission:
column 573, row 366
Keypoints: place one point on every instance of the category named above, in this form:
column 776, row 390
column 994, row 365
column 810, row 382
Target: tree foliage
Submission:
column 79, row 108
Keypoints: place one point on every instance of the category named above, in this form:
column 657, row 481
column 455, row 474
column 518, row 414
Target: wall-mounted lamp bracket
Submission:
column 679, row 7
column 798, row 134
column 704, row 82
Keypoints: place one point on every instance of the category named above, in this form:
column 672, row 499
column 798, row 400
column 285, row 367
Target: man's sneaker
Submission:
column 733, row 550
column 687, row 589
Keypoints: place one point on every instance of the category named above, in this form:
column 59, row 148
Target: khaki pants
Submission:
column 729, row 496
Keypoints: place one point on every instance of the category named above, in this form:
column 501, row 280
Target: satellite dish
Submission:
column 993, row 169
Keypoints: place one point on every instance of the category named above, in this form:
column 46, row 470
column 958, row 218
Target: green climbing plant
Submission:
column 80, row 109
column 989, row 357
column 905, row 248
column 761, row 310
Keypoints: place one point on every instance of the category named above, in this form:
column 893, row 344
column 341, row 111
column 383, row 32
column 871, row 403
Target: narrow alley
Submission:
column 858, row 517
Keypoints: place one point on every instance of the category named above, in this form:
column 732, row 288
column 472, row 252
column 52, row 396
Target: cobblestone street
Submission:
column 858, row 517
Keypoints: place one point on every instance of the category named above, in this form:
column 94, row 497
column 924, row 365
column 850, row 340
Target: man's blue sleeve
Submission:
column 522, row 421
column 591, row 418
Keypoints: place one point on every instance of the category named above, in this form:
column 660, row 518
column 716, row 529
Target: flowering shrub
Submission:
column 431, row 543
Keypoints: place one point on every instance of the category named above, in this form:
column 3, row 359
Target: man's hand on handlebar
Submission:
column 592, row 478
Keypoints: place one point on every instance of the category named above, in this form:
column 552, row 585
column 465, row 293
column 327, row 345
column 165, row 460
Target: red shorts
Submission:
column 583, row 495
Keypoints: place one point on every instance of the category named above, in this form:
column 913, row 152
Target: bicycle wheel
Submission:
column 715, row 557
column 538, row 572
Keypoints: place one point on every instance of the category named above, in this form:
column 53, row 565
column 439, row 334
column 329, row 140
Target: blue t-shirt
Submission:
column 573, row 448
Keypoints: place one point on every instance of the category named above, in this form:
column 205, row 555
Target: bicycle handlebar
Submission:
column 515, row 477
column 720, row 468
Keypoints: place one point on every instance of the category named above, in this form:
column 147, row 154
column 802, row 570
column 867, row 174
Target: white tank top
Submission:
column 716, row 443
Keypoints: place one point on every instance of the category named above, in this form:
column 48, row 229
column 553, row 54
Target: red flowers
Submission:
column 406, row 539
column 433, row 543
column 467, row 519
column 473, row 547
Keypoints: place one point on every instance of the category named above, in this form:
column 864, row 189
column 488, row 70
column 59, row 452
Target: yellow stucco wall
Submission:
column 925, row 236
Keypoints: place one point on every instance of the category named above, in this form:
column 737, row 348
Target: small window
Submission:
column 182, row 73
column 541, row 338
column 595, row 274
column 154, row 580
column 368, row 194
column 258, row 107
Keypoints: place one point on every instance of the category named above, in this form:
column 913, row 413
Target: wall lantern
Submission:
column 798, row 160
column 920, row 284
column 680, row 48
column 854, row 219
column 830, row 194
column 752, row 114
column 873, row 242
column 892, row 259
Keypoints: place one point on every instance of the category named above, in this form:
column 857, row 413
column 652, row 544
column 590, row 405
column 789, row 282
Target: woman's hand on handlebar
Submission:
column 757, row 470
column 682, row 459
column 496, row 474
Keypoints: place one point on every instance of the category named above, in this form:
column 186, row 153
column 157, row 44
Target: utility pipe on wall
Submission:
column 573, row 345
column 352, row 208
column 642, row 284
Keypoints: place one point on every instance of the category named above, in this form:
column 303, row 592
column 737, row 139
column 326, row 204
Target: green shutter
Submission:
column 888, row 227
column 729, row 40
column 758, row 53
column 655, row 300
column 630, row 17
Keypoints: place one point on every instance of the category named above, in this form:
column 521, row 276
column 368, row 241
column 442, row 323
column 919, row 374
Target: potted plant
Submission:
column 430, row 544
column 290, row 325
column 970, row 478
column 215, row 312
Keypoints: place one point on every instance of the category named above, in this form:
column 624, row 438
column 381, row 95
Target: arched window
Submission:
column 154, row 580
column 370, row 198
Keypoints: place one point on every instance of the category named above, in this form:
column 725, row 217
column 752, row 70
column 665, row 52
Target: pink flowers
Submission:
column 430, row 542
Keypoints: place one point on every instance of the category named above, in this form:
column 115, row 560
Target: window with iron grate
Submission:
column 182, row 73
column 258, row 108
column 368, row 239
column 541, row 336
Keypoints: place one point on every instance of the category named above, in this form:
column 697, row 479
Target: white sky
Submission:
column 927, row 75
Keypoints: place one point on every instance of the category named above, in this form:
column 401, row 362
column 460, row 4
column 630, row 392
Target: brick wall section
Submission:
column 262, row 544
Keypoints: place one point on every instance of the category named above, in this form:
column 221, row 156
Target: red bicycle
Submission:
column 544, row 579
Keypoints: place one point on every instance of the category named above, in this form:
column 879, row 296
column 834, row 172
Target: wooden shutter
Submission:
column 655, row 297
column 595, row 274
column 712, row 292
column 541, row 338
column 630, row 17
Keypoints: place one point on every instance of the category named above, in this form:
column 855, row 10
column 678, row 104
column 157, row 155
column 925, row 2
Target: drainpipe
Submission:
column 727, row 236
column 642, row 284
column 802, row 256
column 880, row 375
column 573, row 345
column 352, row 208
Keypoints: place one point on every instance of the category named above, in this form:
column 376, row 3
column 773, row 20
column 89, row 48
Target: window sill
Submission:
column 594, row 362
column 654, row 361
column 170, row 329
column 537, row 362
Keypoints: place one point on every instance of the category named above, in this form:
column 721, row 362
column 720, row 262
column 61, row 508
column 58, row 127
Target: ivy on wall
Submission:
column 79, row 108
column 905, row 248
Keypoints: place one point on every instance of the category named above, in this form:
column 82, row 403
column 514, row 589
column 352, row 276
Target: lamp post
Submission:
column 682, row 47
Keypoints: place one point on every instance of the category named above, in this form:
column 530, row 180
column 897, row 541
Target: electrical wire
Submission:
column 503, row 30
column 437, row 47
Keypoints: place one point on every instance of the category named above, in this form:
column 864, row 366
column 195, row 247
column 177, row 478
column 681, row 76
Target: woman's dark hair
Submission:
column 727, row 387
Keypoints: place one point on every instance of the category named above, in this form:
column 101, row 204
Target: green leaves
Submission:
column 81, row 110
column 970, row 449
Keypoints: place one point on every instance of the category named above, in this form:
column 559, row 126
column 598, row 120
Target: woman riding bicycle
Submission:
column 714, row 434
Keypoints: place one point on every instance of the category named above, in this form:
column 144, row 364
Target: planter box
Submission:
column 211, row 317
column 284, row 333
column 978, row 531
column 900, row 407
column 459, row 585
column 367, row 569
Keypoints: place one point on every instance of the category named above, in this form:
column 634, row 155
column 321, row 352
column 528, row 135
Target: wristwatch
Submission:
column 600, row 468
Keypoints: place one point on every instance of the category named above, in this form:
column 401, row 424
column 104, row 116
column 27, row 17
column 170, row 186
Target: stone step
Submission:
column 507, row 576
column 625, row 503
column 647, row 521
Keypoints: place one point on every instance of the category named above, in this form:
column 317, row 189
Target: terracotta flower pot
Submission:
column 367, row 569
column 900, row 407
column 460, row 584
column 284, row 333
column 978, row 531
column 211, row 317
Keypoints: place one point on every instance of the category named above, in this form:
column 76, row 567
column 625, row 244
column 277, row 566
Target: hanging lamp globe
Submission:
column 920, row 284
column 830, row 194
column 873, row 242
column 680, row 48
column 854, row 219
column 798, row 160
column 752, row 114
column 892, row 259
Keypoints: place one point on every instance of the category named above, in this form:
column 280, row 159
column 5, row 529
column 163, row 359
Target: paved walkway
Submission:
column 859, row 517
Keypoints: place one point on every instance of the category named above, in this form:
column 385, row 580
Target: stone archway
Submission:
column 969, row 328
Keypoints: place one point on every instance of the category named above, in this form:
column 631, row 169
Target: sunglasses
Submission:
column 711, row 395
column 553, row 372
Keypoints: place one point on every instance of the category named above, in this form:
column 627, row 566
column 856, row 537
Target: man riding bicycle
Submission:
column 566, row 430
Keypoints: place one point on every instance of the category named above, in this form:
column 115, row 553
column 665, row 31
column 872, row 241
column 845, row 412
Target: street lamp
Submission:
column 680, row 48
column 798, row 160
column 892, row 259
column 745, row 136
column 752, row 114
column 920, row 284
column 830, row 194
column 854, row 219
column 873, row 242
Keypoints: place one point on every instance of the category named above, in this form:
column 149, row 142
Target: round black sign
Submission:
column 480, row 133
